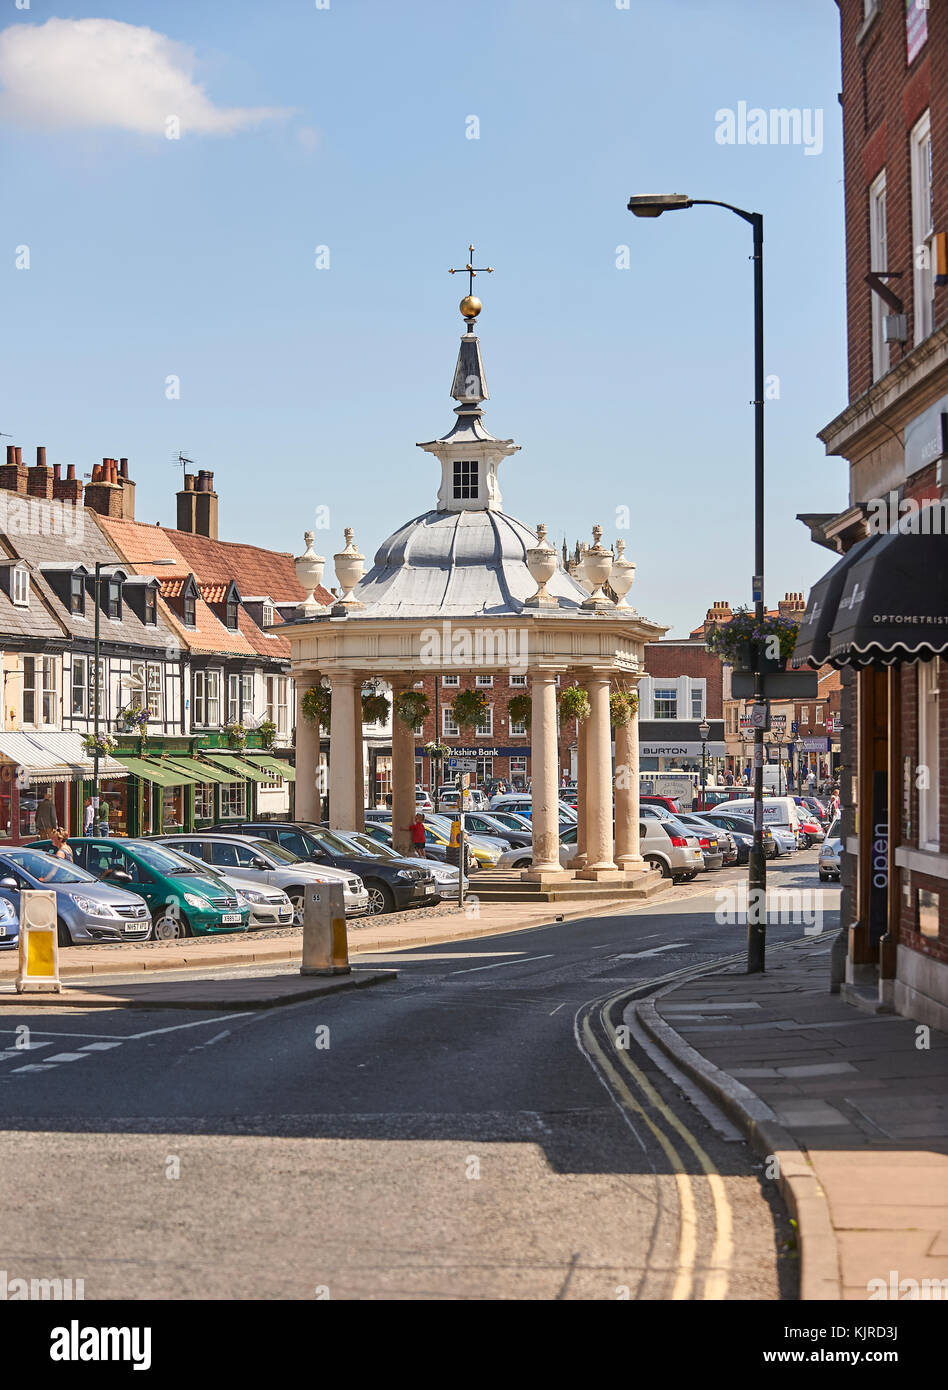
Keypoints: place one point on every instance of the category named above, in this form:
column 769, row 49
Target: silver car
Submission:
column 263, row 863
column 830, row 851
column 88, row 909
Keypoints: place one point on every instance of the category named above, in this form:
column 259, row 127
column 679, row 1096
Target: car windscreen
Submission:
column 675, row 827
column 366, row 845
column 163, row 860
column 268, row 850
column 835, row 831
column 333, row 843
column 353, row 847
column 45, row 867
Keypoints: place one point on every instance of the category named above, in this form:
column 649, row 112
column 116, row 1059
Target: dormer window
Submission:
column 151, row 608
column 77, row 593
column 190, row 610
column 113, row 599
column 21, row 586
column 465, row 478
column 268, row 615
column 232, row 613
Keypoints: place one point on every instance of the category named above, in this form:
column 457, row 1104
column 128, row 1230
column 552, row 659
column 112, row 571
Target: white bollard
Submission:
column 325, row 947
column 39, row 942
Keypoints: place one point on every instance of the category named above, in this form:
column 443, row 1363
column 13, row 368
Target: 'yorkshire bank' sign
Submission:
column 926, row 437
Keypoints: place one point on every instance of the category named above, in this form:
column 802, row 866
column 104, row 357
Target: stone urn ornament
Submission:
column 623, row 575
column 350, row 567
column 309, row 571
column 542, row 564
column 597, row 568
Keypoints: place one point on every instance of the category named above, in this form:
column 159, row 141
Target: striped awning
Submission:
column 277, row 765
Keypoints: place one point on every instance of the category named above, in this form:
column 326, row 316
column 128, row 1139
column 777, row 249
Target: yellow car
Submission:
column 485, row 855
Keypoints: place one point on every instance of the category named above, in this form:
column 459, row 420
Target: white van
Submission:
column 781, row 811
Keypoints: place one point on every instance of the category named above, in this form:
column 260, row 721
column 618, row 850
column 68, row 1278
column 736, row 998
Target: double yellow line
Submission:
column 621, row 1075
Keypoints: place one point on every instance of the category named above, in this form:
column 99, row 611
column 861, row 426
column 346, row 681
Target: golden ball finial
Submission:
column 470, row 306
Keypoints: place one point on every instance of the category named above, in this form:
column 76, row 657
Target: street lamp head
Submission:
column 654, row 204
column 704, row 728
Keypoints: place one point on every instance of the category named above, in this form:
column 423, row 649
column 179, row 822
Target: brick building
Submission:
column 880, row 614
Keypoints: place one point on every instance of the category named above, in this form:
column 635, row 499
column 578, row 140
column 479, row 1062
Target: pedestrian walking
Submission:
column 88, row 818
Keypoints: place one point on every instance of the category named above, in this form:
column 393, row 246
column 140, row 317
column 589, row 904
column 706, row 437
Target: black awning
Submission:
column 894, row 605
column 813, row 642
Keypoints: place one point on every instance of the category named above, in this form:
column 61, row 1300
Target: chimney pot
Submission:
column 41, row 456
column 57, row 470
column 123, row 467
column 11, row 456
column 19, row 456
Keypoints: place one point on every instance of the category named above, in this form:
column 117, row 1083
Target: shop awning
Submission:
column 813, row 642
column 239, row 768
column 161, row 772
column 54, row 757
column 277, row 765
column 196, row 770
column 894, row 605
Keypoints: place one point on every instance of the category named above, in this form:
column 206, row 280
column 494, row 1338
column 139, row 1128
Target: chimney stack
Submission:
column 40, row 479
column 105, row 494
column 12, row 473
column 68, row 489
column 197, row 505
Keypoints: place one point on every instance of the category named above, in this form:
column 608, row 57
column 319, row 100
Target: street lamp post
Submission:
column 704, row 729
column 654, row 206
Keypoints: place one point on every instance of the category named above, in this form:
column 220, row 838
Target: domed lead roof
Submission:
column 454, row 564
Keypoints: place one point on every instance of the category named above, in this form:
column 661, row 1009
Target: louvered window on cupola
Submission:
column 465, row 478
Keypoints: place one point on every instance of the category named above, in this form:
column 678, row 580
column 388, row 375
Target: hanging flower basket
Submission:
column 104, row 745
column 438, row 751
column 236, row 735
column 574, row 704
column 133, row 718
column 411, row 707
column 469, row 708
column 623, row 704
column 267, row 731
column 738, row 642
column 520, row 710
column 376, row 708
column 317, row 705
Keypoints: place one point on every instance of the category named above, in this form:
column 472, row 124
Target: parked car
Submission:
column 488, row 827
column 714, row 841
column 781, row 813
column 9, row 919
column 87, row 911
column 668, row 803
column 183, row 899
column 256, row 862
column 816, row 807
column 445, row 875
column 450, row 799
column 436, row 844
column 392, row 886
column 523, row 805
column 489, row 844
column 514, row 820
column 741, row 832
column 672, row 848
column 830, row 850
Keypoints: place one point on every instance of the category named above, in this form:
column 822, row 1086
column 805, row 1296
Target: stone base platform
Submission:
column 506, row 886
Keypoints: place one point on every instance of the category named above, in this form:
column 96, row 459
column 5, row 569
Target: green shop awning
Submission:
column 163, row 773
column 282, row 769
column 196, row 771
column 237, row 767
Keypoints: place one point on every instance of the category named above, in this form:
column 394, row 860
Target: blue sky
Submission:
column 305, row 388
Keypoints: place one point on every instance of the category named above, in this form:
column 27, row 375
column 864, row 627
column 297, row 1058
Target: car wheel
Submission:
column 381, row 899
column 62, row 933
column 660, row 863
column 170, row 926
column 295, row 896
column 823, row 877
column 523, row 863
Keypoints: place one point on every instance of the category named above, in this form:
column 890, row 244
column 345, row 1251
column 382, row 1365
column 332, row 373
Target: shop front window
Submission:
column 233, row 800
column 113, row 793
column 204, row 801
column 172, row 808
column 42, row 808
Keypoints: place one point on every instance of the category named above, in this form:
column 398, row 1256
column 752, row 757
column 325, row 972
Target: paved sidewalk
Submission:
column 853, row 1107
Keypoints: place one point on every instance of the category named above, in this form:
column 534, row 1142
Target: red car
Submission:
column 670, row 803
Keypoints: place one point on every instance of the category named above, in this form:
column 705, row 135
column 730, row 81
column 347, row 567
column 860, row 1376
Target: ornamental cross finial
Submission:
column 471, row 269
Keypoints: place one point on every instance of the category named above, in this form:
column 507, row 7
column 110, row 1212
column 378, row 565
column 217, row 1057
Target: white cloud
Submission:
column 70, row 73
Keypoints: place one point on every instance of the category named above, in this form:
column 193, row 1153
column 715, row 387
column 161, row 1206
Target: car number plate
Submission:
column 3, row 930
column 286, row 913
column 231, row 917
column 135, row 926
column 431, row 888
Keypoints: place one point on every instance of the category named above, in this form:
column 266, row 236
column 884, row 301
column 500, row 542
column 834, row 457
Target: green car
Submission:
column 184, row 898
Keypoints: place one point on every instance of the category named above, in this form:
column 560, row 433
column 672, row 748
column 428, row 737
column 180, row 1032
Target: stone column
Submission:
column 358, row 820
column 544, row 764
column 342, row 744
column 628, row 851
column 403, row 777
column 579, row 858
column 599, row 843
column 307, row 797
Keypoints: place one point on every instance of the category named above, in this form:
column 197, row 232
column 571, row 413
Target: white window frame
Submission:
column 486, row 730
column 517, row 730
column 660, row 692
column 233, row 800
column 520, row 682
column 923, row 231
column 449, row 728
column 246, row 695
column 21, row 586
column 878, row 261
column 233, row 698
column 451, row 681
column 204, row 801
column 268, row 616
column 485, row 682
column 928, row 755
column 49, row 695
column 153, row 694
column 207, row 699
column 79, row 678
